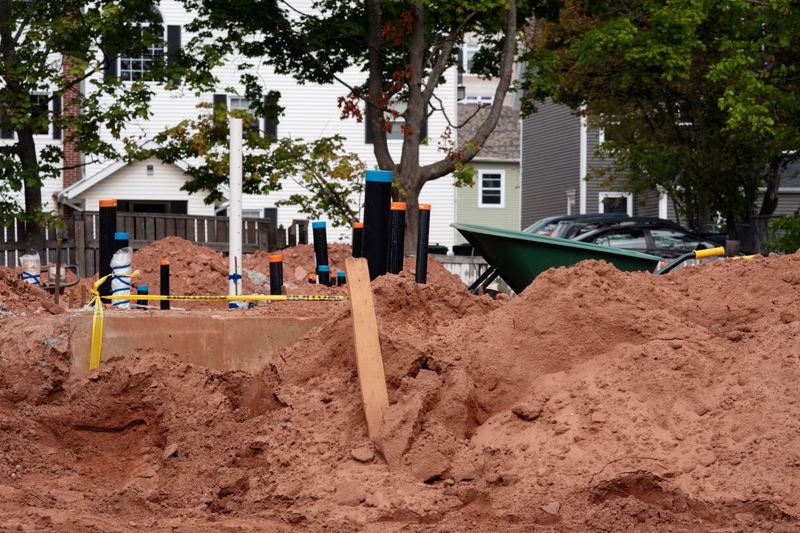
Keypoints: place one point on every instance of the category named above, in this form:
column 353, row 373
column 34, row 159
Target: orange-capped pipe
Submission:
column 108, row 203
column 164, row 262
column 276, row 258
column 398, row 206
column 358, row 225
column 425, row 207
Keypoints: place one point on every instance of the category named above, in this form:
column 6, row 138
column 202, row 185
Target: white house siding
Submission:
column 310, row 112
column 133, row 183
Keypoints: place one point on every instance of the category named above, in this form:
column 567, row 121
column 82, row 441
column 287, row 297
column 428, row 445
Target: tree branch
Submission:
column 446, row 166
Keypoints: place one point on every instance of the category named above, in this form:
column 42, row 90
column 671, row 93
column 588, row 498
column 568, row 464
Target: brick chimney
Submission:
column 71, row 102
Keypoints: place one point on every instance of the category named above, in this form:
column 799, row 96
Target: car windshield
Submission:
column 672, row 240
column 629, row 239
column 545, row 229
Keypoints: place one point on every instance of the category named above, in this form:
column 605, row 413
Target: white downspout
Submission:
column 235, row 212
column 583, row 164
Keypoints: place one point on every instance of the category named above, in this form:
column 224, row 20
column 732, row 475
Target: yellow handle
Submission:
column 712, row 252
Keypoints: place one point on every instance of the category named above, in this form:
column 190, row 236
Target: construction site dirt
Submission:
column 596, row 400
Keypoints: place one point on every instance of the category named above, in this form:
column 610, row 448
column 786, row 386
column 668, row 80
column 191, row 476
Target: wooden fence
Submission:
column 81, row 236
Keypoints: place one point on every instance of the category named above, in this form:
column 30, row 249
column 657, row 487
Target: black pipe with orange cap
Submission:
column 108, row 227
column 165, row 283
column 276, row 274
column 397, row 230
column 424, row 228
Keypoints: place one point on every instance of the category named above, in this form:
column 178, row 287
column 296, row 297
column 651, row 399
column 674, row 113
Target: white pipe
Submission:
column 235, row 212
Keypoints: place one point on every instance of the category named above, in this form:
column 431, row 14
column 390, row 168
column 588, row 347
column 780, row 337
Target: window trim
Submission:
column 481, row 174
column 49, row 133
column 164, row 54
column 614, row 194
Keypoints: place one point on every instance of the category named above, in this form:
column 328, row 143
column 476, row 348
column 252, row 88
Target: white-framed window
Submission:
column 251, row 213
column 243, row 104
column 571, row 194
column 40, row 106
column 491, row 188
column 615, row 202
column 475, row 99
column 133, row 68
column 468, row 51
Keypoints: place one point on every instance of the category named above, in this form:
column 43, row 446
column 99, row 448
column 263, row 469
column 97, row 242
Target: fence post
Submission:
column 272, row 239
column 281, row 238
column 293, row 234
column 263, row 235
column 80, row 242
column 302, row 225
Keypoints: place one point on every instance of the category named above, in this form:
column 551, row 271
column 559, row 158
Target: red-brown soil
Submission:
column 596, row 400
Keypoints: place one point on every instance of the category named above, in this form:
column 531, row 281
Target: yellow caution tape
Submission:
column 97, row 319
column 242, row 298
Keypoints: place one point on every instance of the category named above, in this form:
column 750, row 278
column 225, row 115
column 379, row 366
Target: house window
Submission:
column 133, row 68
column 40, row 110
column 243, row 104
column 475, row 99
column 615, row 202
column 491, row 185
column 251, row 213
column 468, row 52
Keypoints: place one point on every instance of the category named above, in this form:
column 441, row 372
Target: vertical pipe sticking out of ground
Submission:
column 340, row 279
column 142, row 290
column 235, row 212
column 324, row 275
column 165, row 283
column 358, row 239
column 377, row 197
column 108, row 227
column 276, row 274
column 422, row 242
column 320, row 243
column 397, row 230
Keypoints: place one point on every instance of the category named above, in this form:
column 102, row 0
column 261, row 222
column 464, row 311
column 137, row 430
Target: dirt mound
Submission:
column 299, row 261
column 596, row 400
column 18, row 297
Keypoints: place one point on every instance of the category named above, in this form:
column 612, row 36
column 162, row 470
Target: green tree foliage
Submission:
column 672, row 84
column 404, row 48
column 331, row 177
column 785, row 233
column 35, row 36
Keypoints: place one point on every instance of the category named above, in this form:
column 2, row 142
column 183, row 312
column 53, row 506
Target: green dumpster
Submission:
column 519, row 257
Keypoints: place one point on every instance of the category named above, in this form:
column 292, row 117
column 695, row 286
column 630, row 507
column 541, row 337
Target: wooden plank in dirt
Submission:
column 369, row 360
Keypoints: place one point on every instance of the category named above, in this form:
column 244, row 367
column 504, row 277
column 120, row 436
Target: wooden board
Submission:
column 368, row 347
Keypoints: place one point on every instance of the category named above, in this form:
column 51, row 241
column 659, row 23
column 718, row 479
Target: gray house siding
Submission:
column 788, row 203
column 550, row 162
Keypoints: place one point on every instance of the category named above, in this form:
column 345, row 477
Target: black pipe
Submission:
column 165, row 283
column 121, row 240
column 144, row 290
column 340, row 279
column 358, row 239
column 422, row 242
column 320, row 243
column 377, row 196
column 108, row 227
column 397, row 231
column 324, row 275
column 276, row 274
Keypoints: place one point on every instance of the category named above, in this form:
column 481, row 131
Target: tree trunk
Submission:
column 33, row 240
column 412, row 218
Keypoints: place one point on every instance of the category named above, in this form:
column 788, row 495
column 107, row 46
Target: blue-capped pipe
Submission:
column 320, row 243
column 340, row 279
column 142, row 290
column 324, row 275
column 377, row 196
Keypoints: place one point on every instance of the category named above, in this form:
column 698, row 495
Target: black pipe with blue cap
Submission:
column 320, row 243
column 377, row 198
column 324, row 275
